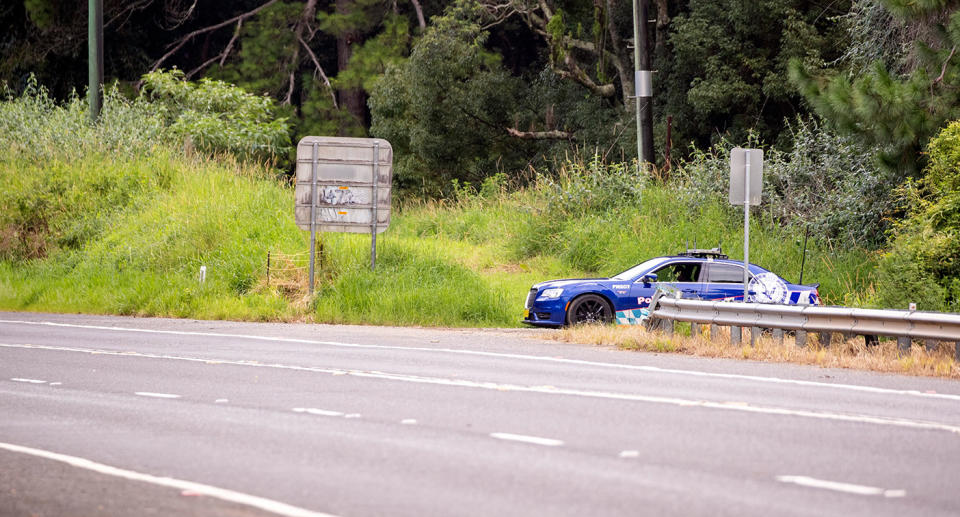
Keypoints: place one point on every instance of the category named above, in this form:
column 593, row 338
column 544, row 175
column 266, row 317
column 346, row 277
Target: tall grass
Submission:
column 118, row 218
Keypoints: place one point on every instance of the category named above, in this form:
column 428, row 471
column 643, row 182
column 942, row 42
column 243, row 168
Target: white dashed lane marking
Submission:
column 157, row 395
column 30, row 381
column 837, row 486
column 315, row 411
column 536, row 440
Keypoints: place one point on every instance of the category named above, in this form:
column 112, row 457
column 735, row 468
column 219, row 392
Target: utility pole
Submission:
column 95, row 58
column 643, row 80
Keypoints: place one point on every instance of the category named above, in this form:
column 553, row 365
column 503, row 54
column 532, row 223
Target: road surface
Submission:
column 120, row 416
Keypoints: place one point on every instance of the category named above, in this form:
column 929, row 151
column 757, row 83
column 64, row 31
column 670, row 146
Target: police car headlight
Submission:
column 552, row 293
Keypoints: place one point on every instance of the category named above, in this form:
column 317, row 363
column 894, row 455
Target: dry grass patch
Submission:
column 850, row 353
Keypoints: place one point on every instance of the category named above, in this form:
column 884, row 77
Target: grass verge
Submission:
column 851, row 353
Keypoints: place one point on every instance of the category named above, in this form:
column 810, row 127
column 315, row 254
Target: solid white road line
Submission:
column 30, row 381
column 267, row 505
column 547, row 390
column 157, row 395
column 549, row 442
column 654, row 369
column 629, row 454
column 840, row 487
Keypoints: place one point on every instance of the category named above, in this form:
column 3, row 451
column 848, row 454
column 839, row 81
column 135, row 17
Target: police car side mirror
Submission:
column 648, row 279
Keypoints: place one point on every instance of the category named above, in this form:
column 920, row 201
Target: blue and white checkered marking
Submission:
column 632, row 316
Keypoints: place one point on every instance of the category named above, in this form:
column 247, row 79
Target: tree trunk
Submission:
column 354, row 100
column 663, row 25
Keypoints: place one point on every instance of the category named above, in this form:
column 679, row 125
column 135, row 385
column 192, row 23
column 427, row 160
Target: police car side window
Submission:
column 725, row 274
column 679, row 272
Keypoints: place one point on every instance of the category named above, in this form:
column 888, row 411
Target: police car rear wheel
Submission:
column 589, row 308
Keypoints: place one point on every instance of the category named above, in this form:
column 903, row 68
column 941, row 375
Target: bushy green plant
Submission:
column 828, row 183
column 34, row 127
column 923, row 263
column 216, row 116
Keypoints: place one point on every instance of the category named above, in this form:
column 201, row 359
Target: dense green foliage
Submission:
column 443, row 109
column 216, row 116
column 898, row 113
column 923, row 263
column 728, row 71
column 826, row 183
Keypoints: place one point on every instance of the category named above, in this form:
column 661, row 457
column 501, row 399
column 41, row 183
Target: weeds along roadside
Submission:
column 841, row 353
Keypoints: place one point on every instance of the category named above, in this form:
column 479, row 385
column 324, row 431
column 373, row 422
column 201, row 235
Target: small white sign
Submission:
column 739, row 160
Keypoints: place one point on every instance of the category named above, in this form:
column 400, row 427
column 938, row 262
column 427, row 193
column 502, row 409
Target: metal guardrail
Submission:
column 904, row 325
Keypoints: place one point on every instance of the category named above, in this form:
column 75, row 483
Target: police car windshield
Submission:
column 635, row 271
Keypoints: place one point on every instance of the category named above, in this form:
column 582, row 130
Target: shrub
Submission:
column 216, row 116
column 34, row 127
column 827, row 182
column 923, row 263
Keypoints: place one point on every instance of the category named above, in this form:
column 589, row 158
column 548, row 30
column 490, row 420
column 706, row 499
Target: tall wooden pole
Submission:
column 95, row 58
column 645, row 95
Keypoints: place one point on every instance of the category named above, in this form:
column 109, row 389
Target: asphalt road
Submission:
column 107, row 416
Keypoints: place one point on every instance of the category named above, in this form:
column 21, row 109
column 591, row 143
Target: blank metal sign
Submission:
column 345, row 183
column 738, row 166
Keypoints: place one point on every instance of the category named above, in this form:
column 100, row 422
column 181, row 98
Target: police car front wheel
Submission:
column 589, row 308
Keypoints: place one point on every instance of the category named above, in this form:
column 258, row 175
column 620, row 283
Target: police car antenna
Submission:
column 803, row 259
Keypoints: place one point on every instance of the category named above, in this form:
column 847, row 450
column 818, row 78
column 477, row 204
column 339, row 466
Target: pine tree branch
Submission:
column 943, row 69
column 289, row 97
column 184, row 40
column 222, row 56
column 319, row 69
column 419, row 10
column 539, row 25
column 127, row 11
column 578, row 75
column 540, row 135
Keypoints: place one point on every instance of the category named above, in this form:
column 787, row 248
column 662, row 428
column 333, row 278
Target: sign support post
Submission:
column 746, row 227
column 746, row 172
column 313, row 213
column 376, row 204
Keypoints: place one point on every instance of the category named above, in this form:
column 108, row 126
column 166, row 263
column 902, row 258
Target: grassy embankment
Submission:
column 127, row 234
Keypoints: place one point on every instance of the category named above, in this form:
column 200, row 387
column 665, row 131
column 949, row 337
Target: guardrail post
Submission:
column 930, row 344
column 736, row 335
column 715, row 332
column 754, row 334
column 825, row 338
column 694, row 329
column 956, row 351
column 904, row 343
column 801, row 338
column 668, row 327
column 778, row 335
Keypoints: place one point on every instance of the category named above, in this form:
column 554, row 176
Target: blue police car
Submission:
column 698, row 274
